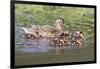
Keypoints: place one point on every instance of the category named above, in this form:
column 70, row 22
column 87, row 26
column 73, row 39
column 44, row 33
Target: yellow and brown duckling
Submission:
column 64, row 34
column 30, row 35
column 61, row 42
column 75, row 42
column 58, row 42
column 79, row 36
column 78, row 39
column 26, row 36
column 54, row 42
column 78, row 43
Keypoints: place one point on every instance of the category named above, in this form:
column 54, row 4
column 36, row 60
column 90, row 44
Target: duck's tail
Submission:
column 26, row 30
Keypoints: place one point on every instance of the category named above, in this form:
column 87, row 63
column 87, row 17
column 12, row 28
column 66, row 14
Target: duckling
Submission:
column 57, row 42
column 78, row 43
column 35, row 34
column 79, row 36
column 62, row 34
column 75, row 42
column 27, row 36
column 61, row 42
column 66, row 33
column 67, row 43
column 54, row 42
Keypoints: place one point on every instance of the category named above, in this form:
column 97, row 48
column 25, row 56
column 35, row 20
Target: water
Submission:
column 39, row 51
column 35, row 45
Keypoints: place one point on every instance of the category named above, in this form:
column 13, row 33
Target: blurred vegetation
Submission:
column 76, row 18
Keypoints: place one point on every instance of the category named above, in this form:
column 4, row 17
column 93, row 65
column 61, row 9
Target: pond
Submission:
column 39, row 51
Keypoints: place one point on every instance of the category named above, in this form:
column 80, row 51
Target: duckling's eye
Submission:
column 59, row 22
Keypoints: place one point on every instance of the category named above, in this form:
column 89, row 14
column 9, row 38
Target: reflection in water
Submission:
column 60, row 50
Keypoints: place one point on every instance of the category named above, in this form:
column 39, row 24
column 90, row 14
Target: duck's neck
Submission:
column 58, row 27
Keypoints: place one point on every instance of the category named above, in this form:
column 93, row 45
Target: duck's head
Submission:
column 61, row 41
column 66, row 33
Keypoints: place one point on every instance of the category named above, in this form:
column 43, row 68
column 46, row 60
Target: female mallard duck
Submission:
column 45, row 30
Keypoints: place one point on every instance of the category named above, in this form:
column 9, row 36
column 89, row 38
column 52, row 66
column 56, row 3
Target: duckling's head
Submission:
column 79, row 32
column 52, row 43
column 66, row 32
column 60, row 44
column 61, row 41
column 62, row 34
